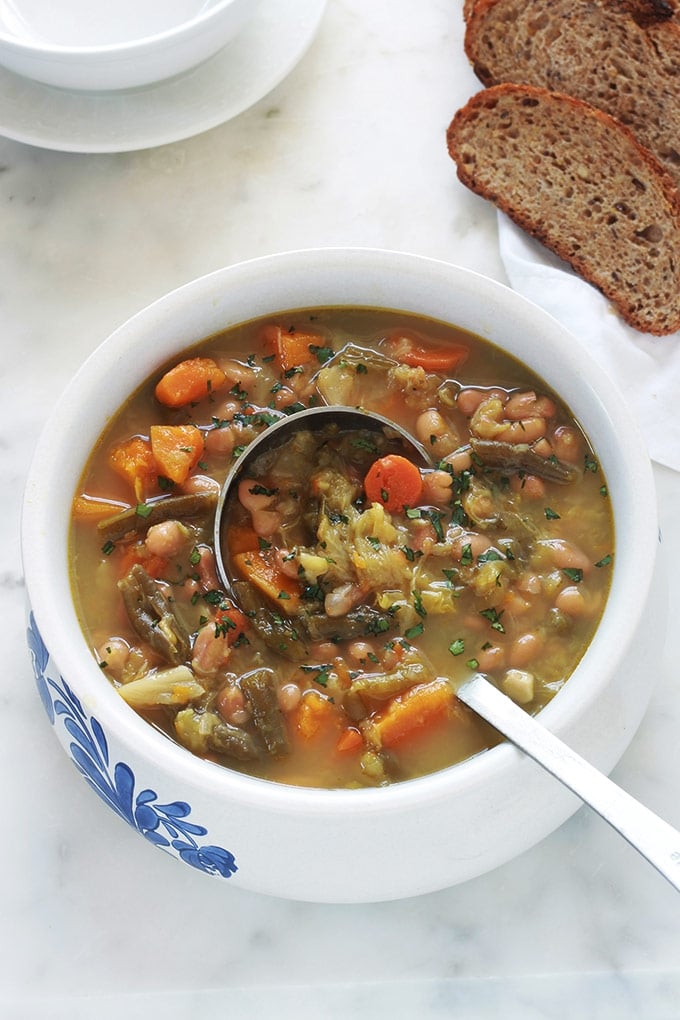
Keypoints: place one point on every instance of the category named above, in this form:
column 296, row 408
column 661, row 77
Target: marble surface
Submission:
column 349, row 149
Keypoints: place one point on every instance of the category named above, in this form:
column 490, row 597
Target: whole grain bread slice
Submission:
column 622, row 56
column 580, row 182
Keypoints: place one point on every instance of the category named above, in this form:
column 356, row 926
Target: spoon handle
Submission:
column 655, row 839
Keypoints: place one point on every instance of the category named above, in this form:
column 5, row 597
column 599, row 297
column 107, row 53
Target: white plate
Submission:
column 266, row 50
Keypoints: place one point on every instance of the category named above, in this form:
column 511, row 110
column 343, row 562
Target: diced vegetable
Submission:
column 134, row 461
column 291, row 349
column 395, row 482
column 177, row 686
column 152, row 617
column 189, row 382
column 350, row 740
column 411, row 713
column 260, row 689
column 409, row 349
column 176, row 449
column 196, row 506
column 259, row 567
column 205, row 733
column 317, row 717
column 230, row 621
column 91, row 508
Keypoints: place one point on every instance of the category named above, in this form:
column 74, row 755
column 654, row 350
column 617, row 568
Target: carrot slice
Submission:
column 232, row 623
column 291, row 349
column 189, row 382
column 258, row 567
column 176, row 450
column 134, row 461
column 93, row 508
column 241, row 538
column 155, row 566
column 413, row 712
column 350, row 740
column 410, row 349
column 317, row 715
column 393, row 481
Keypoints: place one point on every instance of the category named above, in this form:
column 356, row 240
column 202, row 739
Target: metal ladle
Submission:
column 336, row 417
column 653, row 838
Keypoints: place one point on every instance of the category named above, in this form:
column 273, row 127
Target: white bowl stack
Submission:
column 95, row 46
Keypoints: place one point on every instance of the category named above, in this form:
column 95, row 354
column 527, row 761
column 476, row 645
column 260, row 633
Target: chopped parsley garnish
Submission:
column 551, row 515
column 489, row 556
column 605, row 561
column 573, row 573
column 494, row 618
column 108, row 548
column 472, row 664
column 322, row 354
column 466, row 555
column 414, row 631
column 262, row 490
column 457, row 647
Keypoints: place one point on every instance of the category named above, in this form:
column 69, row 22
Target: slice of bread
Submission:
column 622, row 56
column 578, row 181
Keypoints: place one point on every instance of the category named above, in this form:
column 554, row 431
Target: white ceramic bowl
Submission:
column 339, row 845
column 87, row 44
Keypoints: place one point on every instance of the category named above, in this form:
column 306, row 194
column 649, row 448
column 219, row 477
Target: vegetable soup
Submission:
column 366, row 587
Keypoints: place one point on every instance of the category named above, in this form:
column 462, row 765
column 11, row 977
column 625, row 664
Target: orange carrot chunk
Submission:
column 393, row 481
column 189, row 382
column 409, row 349
column 291, row 349
column 231, row 622
column 317, row 716
column 258, row 567
column 411, row 713
column 176, row 450
column 134, row 461
column 93, row 508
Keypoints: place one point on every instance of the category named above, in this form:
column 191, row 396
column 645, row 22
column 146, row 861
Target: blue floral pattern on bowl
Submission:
column 167, row 826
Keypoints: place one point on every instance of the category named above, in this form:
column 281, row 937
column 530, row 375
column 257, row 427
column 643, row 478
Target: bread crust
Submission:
column 622, row 56
column 579, row 181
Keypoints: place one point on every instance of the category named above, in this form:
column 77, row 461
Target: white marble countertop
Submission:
column 348, row 150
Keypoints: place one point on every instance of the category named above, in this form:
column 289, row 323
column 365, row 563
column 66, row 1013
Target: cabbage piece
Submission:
column 176, row 686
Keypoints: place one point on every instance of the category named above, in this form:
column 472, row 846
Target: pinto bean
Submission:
column 525, row 430
column 524, row 649
column 565, row 554
column 166, row 539
column 435, row 433
column 527, row 405
column 567, row 444
column 530, row 486
column 437, row 487
column 220, row 441
column 491, row 658
column 460, row 459
column 211, row 651
column 468, row 400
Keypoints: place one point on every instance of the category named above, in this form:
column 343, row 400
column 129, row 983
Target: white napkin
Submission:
column 645, row 368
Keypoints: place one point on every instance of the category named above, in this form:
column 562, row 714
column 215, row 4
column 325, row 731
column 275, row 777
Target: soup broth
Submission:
column 366, row 588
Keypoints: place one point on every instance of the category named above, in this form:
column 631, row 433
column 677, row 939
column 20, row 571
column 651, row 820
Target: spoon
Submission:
column 652, row 837
column 335, row 417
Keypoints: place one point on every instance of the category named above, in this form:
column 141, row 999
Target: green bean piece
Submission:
column 259, row 688
column 152, row 616
column 191, row 506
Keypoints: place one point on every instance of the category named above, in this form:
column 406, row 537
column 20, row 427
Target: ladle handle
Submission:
column 654, row 838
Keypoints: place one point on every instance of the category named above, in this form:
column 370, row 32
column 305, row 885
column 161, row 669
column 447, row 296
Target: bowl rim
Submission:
column 129, row 48
column 138, row 738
